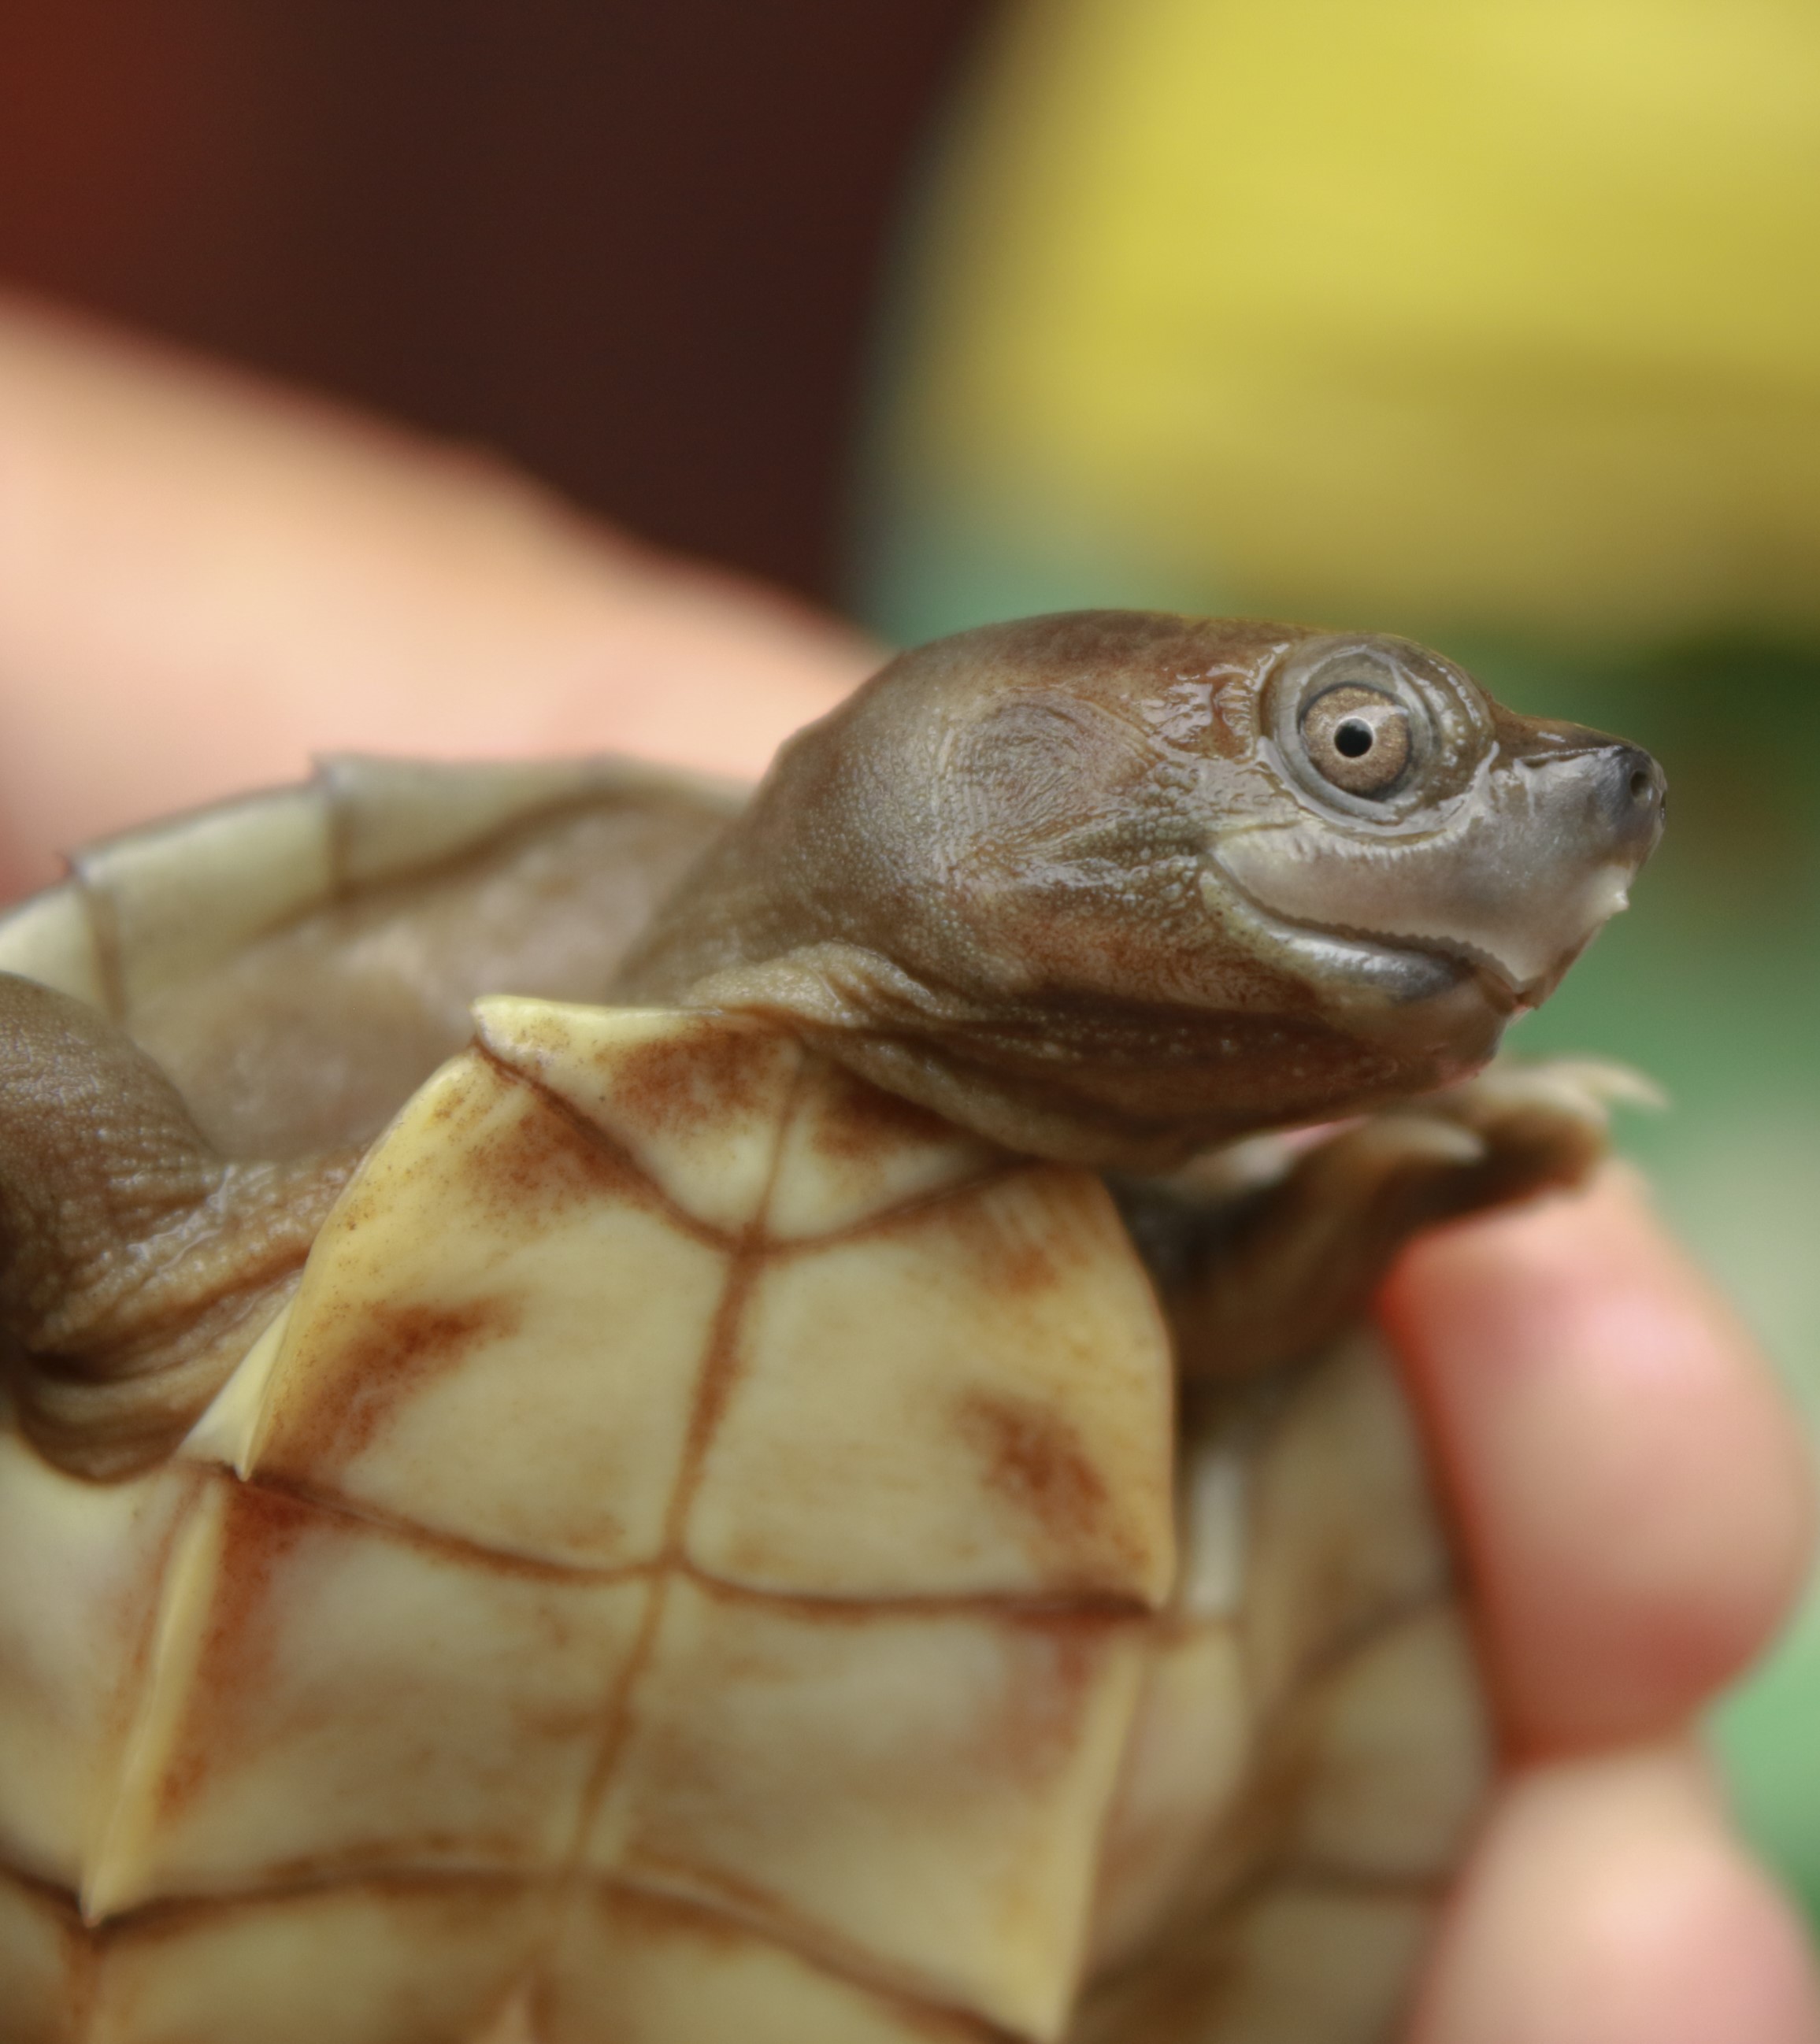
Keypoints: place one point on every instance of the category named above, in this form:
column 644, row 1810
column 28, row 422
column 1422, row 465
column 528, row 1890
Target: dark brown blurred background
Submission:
column 634, row 244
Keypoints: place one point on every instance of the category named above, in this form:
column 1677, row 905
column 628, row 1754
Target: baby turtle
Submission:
column 826, row 1479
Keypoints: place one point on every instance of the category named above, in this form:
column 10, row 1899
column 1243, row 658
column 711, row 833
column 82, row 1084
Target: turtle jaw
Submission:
column 1510, row 877
column 1349, row 961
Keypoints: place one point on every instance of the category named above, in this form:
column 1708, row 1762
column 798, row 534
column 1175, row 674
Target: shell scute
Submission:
column 414, row 1962
column 639, row 1969
column 397, row 816
column 498, row 1335
column 852, row 1152
column 74, row 1633
column 757, row 1600
column 1300, row 1961
column 178, row 897
column 1397, row 1753
column 916, row 1793
column 526, row 1251
column 920, row 1411
column 1344, row 1530
column 52, row 938
column 443, row 1713
column 1184, row 1767
column 697, row 1101
column 46, row 1964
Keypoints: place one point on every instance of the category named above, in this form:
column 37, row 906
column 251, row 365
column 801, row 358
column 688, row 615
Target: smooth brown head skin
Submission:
column 1113, row 886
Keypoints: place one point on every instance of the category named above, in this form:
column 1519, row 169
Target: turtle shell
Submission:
column 706, row 1551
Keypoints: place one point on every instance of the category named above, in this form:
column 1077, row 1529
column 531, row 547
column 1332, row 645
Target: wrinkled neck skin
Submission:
column 1112, row 887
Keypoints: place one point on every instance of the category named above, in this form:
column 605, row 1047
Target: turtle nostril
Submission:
column 1635, row 793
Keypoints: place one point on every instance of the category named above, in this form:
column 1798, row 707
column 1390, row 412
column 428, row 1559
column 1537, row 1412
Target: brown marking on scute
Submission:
column 1036, row 1460
column 387, row 1352
column 531, row 1167
column 241, row 1637
column 721, row 1365
column 1014, row 1245
column 1050, row 1684
column 664, row 1912
column 743, row 1914
column 180, row 1916
column 472, row 1094
column 693, row 1081
column 78, row 1946
column 856, row 1122
column 1024, row 1265
column 142, row 1625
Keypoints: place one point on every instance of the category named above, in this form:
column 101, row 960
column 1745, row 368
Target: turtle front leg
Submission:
column 1258, row 1273
column 136, row 1265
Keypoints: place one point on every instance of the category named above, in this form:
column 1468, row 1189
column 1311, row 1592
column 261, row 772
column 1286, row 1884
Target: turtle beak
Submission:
column 1512, row 885
column 1606, row 801
column 1628, row 790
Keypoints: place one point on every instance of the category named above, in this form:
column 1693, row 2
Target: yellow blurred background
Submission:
column 1496, row 322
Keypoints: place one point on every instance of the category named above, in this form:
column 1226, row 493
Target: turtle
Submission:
column 644, row 1413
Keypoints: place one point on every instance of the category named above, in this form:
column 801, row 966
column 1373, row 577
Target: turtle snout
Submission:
column 1633, row 793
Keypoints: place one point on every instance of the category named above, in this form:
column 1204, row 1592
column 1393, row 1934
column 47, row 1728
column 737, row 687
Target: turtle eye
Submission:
column 1358, row 738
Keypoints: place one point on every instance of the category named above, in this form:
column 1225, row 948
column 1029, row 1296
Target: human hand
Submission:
column 201, row 584
column 204, row 583
column 1633, row 1499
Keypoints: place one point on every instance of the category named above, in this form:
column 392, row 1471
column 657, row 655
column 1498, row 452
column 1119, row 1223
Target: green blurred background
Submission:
column 1494, row 325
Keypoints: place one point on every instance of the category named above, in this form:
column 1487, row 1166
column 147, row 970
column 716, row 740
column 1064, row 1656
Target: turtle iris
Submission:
column 1358, row 738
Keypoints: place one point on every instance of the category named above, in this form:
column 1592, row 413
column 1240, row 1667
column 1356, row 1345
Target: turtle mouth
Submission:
column 1409, row 968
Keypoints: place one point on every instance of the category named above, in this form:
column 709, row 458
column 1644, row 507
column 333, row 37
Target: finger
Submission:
column 1608, row 1904
column 203, row 581
column 1633, row 1493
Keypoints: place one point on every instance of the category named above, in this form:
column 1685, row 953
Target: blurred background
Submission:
column 1494, row 325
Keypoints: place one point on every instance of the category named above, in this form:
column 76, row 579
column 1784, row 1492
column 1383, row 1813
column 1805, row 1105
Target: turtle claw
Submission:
column 1256, row 1280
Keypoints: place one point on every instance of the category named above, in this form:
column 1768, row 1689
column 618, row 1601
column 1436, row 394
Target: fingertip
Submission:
column 1608, row 1904
column 1633, row 1494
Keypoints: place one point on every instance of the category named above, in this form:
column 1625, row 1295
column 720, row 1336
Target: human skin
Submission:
column 201, row 582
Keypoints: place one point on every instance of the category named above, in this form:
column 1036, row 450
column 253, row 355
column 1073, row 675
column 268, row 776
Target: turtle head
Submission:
column 1114, row 885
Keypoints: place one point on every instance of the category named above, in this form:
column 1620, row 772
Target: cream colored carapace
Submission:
column 705, row 1516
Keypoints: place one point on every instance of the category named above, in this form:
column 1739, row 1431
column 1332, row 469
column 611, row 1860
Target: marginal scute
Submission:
column 1344, row 1531
column 923, row 1789
column 1184, row 1766
column 1310, row 1962
column 395, row 816
column 414, row 1962
column 75, row 1613
column 496, row 1290
column 228, row 1431
column 852, row 1152
column 1398, row 1755
column 179, row 897
column 330, row 1699
column 46, row 1964
column 1312, row 1712
column 976, row 1399
column 1215, row 1499
column 696, row 1100
column 50, row 939
column 636, row 1969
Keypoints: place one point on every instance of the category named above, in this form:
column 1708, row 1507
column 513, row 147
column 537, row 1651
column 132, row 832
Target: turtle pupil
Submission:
column 1353, row 738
